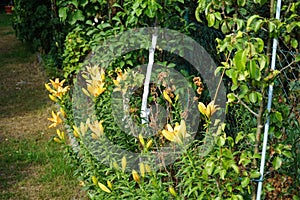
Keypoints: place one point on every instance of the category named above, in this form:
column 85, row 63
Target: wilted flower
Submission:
column 177, row 134
column 208, row 110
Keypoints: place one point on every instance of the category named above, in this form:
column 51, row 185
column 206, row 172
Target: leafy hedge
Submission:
column 227, row 170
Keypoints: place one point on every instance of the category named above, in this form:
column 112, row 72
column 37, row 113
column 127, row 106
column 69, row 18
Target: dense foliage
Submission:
column 237, row 34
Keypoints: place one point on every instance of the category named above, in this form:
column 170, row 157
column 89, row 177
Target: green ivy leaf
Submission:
column 240, row 60
column 222, row 174
column 254, row 70
column 231, row 98
column 62, row 13
column 239, row 137
column 253, row 97
column 250, row 20
column 241, row 3
column 211, row 19
column 294, row 43
column 245, row 182
column 277, row 162
column 254, row 174
column 209, row 167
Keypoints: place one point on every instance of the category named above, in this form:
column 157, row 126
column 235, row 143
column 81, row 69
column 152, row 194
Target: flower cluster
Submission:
column 56, row 89
column 95, row 80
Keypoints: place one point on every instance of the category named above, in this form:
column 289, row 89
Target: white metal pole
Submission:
column 270, row 95
column 144, row 109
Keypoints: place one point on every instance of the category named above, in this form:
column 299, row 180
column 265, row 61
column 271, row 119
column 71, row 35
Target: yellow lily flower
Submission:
column 149, row 144
column 56, row 84
column 97, row 129
column 136, row 176
column 60, row 134
column 109, row 184
column 57, row 89
column 120, row 77
column 172, row 191
column 167, row 97
column 124, row 163
column 55, row 119
column 94, row 180
column 177, row 134
column 148, row 168
column 142, row 169
column 208, row 110
column 141, row 139
column 61, row 91
column 57, row 140
column 104, row 188
column 96, row 88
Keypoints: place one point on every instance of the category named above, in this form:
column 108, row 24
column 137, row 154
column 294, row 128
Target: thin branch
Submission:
column 249, row 109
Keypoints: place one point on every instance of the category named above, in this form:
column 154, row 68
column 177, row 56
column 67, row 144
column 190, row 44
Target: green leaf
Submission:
column 259, row 44
column 210, row 19
column 245, row 182
column 230, row 97
column 240, row 60
column 243, row 90
column 209, row 167
column 297, row 59
column 241, row 3
column 254, row 70
column 272, row 26
column 258, row 25
column 218, row 16
column 294, row 43
column 253, row 97
column 277, row 162
column 222, row 174
column 235, row 168
column 250, row 20
column 62, row 13
column 239, row 137
column 254, row 174
column 224, row 27
column 287, row 154
column 75, row 3
column 220, row 141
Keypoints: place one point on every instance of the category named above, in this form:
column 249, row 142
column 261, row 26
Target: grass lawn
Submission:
column 32, row 166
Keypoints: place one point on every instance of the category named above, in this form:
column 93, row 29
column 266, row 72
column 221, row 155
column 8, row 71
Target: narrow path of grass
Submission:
column 31, row 164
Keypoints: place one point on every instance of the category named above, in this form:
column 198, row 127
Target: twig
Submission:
column 249, row 109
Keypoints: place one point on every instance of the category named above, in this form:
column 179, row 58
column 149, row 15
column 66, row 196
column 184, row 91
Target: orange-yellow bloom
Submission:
column 177, row 134
column 56, row 120
column 136, row 176
column 208, row 110
column 97, row 129
column 56, row 84
column 167, row 97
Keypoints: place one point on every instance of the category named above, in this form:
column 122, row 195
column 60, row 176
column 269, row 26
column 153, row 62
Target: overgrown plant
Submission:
column 249, row 27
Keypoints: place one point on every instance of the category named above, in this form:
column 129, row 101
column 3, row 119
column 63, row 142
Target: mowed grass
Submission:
column 32, row 166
